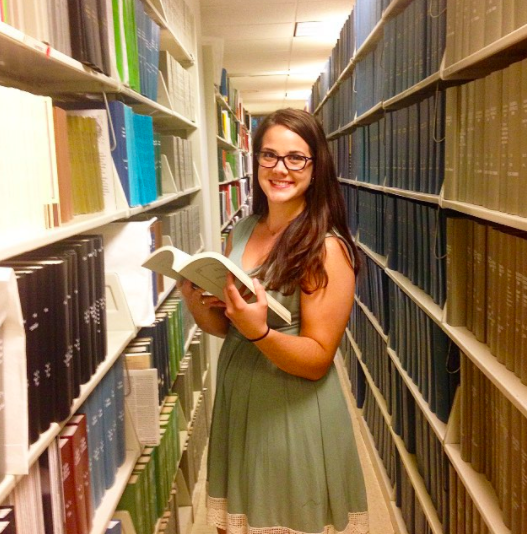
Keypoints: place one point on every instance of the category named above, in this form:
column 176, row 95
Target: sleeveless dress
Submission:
column 282, row 456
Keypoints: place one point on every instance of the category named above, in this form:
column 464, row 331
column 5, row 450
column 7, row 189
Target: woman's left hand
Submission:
column 249, row 319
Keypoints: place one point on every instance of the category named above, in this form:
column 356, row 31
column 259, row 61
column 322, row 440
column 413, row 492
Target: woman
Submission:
column 282, row 452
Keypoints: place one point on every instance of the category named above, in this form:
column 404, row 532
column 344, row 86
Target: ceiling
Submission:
column 265, row 62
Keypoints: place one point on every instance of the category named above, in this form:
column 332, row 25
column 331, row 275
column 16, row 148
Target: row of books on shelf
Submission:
column 406, row 497
column 233, row 98
column 115, row 37
column 67, row 483
column 410, row 234
column 471, row 28
column 414, row 44
column 233, row 197
column 486, row 151
column 233, row 165
column 232, row 130
column 62, row 320
column 404, row 149
column 493, row 439
column 55, row 315
column 487, row 287
column 164, row 476
column 428, row 357
column 409, row 49
column 179, row 84
column 72, row 168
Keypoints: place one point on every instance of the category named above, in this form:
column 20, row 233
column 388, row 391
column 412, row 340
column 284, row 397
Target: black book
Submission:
column 28, row 281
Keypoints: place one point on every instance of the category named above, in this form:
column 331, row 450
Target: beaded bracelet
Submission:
column 261, row 337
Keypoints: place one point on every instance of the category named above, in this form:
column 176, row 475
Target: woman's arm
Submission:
column 324, row 315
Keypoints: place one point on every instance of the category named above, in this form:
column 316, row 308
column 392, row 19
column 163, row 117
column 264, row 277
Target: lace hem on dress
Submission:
column 218, row 516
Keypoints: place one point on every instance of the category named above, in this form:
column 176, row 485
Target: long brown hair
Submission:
column 298, row 256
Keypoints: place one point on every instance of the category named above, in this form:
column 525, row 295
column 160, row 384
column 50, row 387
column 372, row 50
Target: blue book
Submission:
column 144, row 158
column 118, row 377
column 120, row 152
column 109, row 427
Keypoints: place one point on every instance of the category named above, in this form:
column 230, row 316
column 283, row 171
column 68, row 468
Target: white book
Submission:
column 142, row 402
column 14, row 422
column 207, row 270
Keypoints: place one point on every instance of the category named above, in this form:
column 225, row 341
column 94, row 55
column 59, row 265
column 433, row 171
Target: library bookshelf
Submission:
column 371, row 153
column 30, row 65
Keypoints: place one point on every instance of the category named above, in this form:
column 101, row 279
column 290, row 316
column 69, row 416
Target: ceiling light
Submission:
column 310, row 29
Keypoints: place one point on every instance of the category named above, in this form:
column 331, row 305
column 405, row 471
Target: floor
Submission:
column 380, row 522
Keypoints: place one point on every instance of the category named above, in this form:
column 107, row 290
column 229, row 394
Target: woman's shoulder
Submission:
column 336, row 244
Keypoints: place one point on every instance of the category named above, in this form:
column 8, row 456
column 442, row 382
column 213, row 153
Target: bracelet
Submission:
column 261, row 337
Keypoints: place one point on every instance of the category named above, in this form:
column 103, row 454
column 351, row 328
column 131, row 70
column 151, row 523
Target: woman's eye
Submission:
column 295, row 159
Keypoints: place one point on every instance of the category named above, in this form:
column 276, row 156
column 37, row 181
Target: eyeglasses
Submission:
column 292, row 162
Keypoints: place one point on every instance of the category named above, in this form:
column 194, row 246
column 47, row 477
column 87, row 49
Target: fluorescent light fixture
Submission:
column 311, row 29
column 300, row 94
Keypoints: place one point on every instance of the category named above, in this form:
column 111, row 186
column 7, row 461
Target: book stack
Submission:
column 104, row 413
column 178, row 152
column 64, row 344
column 486, row 286
column 179, row 84
column 464, row 513
column 181, row 21
column 493, row 440
column 414, row 44
column 183, row 227
column 150, row 494
column 148, row 43
column 487, row 152
column 43, row 20
column 134, row 156
column 372, row 290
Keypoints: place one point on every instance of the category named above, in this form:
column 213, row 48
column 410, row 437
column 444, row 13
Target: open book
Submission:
column 207, row 270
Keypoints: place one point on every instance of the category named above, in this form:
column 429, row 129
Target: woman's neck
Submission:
column 278, row 218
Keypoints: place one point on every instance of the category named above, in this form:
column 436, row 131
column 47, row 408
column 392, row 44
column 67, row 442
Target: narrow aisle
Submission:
column 380, row 522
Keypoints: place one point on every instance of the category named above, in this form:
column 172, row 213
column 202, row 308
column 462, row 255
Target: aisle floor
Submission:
column 380, row 522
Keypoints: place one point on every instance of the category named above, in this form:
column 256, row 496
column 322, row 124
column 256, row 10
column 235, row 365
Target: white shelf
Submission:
column 226, row 223
column 373, row 320
column 499, row 217
column 164, row 118
column 104, row 513
column 438, row 426
column 479, row 353
column 413, row 93
column 14, row 243
column 7, row 484
column 381, row 261
column 422, row 299
column 406, row 193
column 500, row 54
column 169, row 40
column 226, row 145
column 408, row 459
column 480, row 490
column 410, row 465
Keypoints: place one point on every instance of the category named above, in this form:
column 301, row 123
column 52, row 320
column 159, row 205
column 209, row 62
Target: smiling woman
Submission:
column 282, row 452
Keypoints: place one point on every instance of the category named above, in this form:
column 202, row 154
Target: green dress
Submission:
column 281, row 451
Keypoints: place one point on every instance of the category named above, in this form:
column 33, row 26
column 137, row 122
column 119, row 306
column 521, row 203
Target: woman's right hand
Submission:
column 196, row 297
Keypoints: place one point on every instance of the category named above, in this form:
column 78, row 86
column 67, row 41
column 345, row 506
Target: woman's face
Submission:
column 279, row 184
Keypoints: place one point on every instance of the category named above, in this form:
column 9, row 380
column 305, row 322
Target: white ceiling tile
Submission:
column 251, row 31
column 337, row 10
column 233, row 15
column 259, row 83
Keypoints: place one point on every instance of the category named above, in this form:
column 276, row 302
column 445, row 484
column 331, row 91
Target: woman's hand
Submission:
column 195, row 296
column 249, row 319
column 206, row 309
